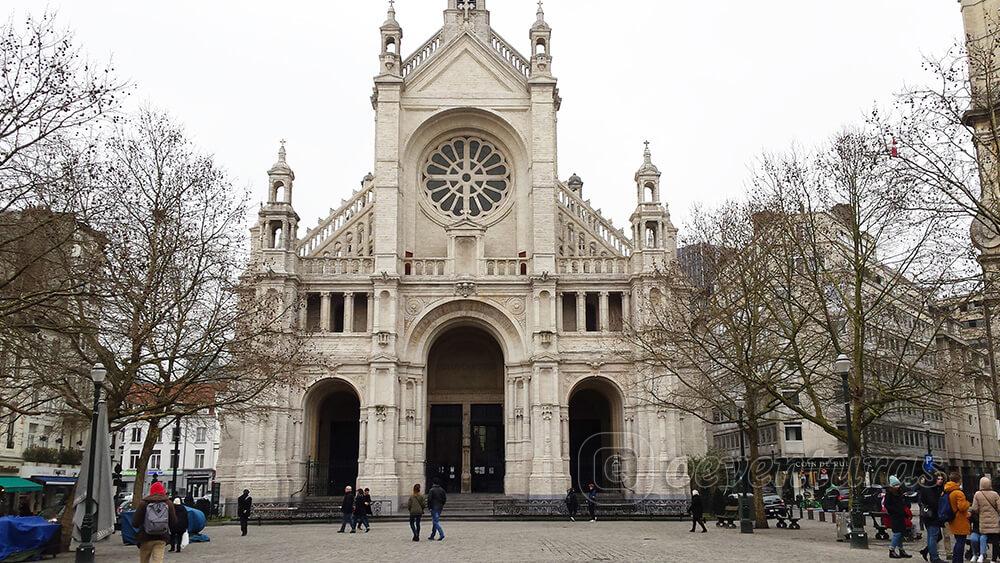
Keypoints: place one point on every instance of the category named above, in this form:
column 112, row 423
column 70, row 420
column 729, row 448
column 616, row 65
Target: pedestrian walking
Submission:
column 416, row 505
column 956, row 515
column 592, row 501
column 572, row 504
column 436, row 497
column 177, row 532
column 697, row 512
column 368, row 503
column 361, row 503
column 347, row 510
column 929, row 495
column 153, row 519
column 895, row 509
column 244, row 507
column 986, row 506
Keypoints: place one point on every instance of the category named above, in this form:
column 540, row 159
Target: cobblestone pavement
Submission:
column 513, row 541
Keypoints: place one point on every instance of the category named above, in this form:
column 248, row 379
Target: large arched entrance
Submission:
column 334, row 414
column 594, row 436
column 465, row 438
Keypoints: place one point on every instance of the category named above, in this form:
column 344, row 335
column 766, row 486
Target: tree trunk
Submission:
column 753, row 442
column 152, row 438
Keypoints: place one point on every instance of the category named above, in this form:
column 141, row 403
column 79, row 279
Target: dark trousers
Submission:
column 958, row 553
column 175, row 541
column 361, row 520
column 243, row 524
column 348, row 520
column 592, row 509
column 696, row 520
column 415, row 525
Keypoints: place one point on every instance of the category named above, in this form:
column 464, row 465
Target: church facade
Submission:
column 470, row 302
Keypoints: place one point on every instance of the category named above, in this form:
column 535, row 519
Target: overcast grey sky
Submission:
column 711, row 84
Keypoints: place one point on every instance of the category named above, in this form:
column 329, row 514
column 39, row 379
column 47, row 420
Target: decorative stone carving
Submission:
column 382, row 338
column 411, row 414
column 546, row 412
column 380, row 413
column 465, row 288
column 518, row 412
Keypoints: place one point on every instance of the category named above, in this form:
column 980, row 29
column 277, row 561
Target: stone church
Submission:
column 470, row 301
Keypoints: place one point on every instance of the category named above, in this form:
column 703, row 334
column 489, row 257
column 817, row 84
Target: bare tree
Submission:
column 710, row 347
column 167, row 315
column 52, row 104
column 861, row 252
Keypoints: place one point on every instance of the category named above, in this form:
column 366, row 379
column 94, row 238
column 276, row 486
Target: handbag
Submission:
column 185, row 539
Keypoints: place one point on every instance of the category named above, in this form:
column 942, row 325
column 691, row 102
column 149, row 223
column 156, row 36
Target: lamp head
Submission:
column 98, row 374
column 842, row 365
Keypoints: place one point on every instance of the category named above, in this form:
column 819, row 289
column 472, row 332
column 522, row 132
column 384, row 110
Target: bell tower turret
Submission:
column 541, row 38
column 392, row 44
column 654, row 235
column 278, row 223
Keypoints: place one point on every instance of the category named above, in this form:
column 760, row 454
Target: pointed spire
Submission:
column 281, row 166
column 647, row 168
column 540, row 21
column 390, row 17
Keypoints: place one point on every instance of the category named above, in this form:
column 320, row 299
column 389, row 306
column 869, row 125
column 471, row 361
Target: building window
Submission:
column 133, row 459
column 569, row 312
column 154, row 460
column 136, row 435
column 466, row 177
column 173, row 458
column 201, row 434
column 791, row 396
column 199, row 459
column 793, row 432
column 10, row 433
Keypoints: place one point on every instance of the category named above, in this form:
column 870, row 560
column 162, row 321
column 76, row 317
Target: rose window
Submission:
column 466, row 177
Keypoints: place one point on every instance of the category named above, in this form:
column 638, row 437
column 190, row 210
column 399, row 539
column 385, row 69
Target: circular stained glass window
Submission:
column 466, row 177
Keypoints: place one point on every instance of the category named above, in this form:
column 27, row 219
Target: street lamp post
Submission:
column 858, row 537
column 85, row 551
column 746, row 525
column 175, row 458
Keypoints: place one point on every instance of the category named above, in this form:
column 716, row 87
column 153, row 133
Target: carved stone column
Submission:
column 581, row 311
column 349, row 312
column 603, row 312
column 324, row 312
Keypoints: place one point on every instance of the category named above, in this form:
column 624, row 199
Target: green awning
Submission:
column 18, row 485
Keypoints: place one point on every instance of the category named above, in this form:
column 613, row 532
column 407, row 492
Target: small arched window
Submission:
column 390, row 45
column 650, row 191
column 540, row 47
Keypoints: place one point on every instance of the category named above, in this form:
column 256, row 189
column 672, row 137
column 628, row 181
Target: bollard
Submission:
column 810, row 514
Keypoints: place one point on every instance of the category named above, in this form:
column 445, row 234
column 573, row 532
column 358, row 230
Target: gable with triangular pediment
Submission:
column 466, row 68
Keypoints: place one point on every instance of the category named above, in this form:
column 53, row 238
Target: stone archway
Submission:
column 465, row 401
column 595, row 437
column 333, row 423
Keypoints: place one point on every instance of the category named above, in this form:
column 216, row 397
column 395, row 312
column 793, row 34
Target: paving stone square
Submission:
column 513, row 541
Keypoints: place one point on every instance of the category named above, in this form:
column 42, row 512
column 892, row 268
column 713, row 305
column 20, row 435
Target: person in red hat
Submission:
column 153, row 519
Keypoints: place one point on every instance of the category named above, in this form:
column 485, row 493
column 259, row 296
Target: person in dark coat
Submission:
column 368, row 501
column 572, row 504
column 928, row 495
column 895, row 508
column 244, row 506
column 189, row 500
column 361, row 502
column 347, row 510
column 436, row 497
column 152, row 545
column 177, row 532
column 592, row 501
column 697, row 512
